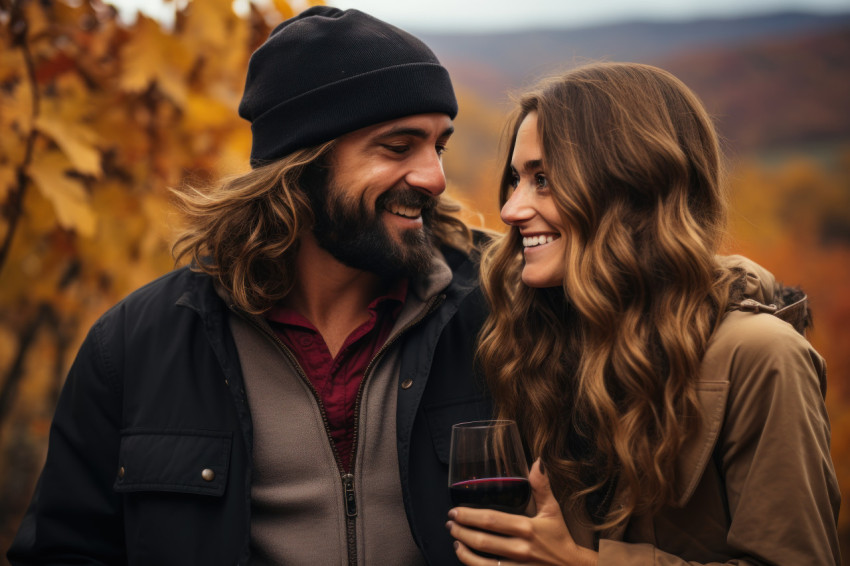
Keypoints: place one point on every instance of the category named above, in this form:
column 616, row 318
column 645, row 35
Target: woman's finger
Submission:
column 486, row 542
column 541, row 491
column 470, row 558
column 506, row 524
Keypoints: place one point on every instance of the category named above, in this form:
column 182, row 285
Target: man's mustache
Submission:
column 407, row 197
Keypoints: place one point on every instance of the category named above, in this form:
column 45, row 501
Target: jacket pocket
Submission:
column 179, row 461
column 442, row 417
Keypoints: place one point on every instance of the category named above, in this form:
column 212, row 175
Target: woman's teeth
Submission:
column 530, row 242
column 406, row 211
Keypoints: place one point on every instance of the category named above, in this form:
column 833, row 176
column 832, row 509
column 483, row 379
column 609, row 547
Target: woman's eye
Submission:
column 441, row 149
column 541, row 181
column 513, row 181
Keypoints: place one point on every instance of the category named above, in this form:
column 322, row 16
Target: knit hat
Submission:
column 327, row 72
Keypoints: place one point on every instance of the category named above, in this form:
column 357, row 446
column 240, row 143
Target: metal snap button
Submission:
column 121, row 472
column 208, row 474
column 406, row 384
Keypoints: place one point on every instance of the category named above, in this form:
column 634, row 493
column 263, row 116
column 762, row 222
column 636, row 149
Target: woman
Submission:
column 675, row 418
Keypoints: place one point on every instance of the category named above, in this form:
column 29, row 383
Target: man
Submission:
column 289, row 399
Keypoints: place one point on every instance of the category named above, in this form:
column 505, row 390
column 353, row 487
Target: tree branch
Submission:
column 19, row 28
column 45, row 315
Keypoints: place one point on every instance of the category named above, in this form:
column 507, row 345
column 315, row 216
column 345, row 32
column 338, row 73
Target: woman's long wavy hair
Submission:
column 600, row 374
column 244, row 231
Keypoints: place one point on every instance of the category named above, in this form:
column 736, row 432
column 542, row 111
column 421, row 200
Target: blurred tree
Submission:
column 98, row 119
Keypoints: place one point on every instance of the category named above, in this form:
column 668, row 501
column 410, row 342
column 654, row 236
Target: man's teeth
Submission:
column 530, row 242
column 406, row 211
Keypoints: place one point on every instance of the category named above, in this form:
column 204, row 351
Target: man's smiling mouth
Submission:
column 404, row 211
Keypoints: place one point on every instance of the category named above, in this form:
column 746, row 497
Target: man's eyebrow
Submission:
column 414, row 132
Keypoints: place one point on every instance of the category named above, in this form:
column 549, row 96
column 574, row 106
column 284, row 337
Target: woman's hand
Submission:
column 541, row 539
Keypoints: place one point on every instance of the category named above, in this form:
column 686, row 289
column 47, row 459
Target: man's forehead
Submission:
column 424, row 125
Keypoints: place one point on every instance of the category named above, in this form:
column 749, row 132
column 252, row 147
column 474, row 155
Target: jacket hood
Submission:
column 763, row 293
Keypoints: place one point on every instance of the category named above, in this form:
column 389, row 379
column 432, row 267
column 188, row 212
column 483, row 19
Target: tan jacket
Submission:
column 757, row 485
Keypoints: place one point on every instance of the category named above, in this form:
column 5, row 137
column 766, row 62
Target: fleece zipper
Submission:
column 347, row 479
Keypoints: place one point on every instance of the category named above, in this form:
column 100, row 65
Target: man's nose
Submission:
column 427, row 174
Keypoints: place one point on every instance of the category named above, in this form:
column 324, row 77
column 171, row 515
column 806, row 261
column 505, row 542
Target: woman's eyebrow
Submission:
column 532, row 164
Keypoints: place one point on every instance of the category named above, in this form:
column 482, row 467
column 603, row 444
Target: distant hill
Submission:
column 775, row 92
column 770, row 80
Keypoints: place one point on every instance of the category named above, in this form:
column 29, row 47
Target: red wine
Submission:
column 502, row 494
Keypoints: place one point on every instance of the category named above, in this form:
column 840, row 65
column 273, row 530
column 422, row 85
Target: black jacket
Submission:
column 149, row 458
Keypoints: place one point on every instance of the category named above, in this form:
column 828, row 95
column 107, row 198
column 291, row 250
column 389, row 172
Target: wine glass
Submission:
column 487, row 467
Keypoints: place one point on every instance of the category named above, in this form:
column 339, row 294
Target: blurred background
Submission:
column 102, row 109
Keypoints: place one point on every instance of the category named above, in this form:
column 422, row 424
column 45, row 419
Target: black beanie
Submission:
column 327, row 72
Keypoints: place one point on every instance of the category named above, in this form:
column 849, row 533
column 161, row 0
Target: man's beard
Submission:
column 358, row 237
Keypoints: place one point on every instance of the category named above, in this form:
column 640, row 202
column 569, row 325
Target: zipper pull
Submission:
column 348, row 490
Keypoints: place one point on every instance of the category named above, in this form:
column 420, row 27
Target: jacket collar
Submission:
column 200, row 294
column 447, row 267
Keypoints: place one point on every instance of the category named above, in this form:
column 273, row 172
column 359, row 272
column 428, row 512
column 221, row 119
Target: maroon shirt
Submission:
column 337, row 380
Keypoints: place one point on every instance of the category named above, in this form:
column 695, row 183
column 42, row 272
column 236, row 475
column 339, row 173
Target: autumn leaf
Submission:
column 16, row 110
column 68, row 196
column 75, row 140
column 153, row 56
column 37, row 23
column 8, row 179
column 283, row 8
column 11, row 66
column 204, row 112
column 207, row 23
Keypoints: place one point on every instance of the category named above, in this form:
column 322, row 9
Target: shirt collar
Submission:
column 394, row 298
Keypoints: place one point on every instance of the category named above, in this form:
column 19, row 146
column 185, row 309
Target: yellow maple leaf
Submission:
column 16, row 109
column 68, row 196
column 154, row 56
column 75, row 140
column 37, row 21
column 283, row 7
column 12, row 66
column 8, row 179
column 208, row 23
column 8, row 343
column 204, row 112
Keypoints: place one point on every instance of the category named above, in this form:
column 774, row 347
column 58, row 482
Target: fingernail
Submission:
column 448, row 525
column 452, row 514
column 456, row 545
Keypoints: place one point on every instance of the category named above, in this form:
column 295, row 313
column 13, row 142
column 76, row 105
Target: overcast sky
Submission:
column 486, row 15
column 505, row 15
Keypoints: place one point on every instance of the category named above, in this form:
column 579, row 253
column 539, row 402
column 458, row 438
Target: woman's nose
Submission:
column 516, row 209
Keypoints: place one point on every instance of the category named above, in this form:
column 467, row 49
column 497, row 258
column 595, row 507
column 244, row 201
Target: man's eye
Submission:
column 441, row 149
column 398, row 148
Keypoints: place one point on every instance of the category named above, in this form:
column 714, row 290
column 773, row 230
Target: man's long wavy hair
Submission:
column 600, row 373
column 245, row 230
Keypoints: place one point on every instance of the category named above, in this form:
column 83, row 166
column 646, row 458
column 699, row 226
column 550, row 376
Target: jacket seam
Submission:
column 109, row 370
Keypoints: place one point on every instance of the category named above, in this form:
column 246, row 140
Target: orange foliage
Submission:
column 792, row 215
column 98, row 119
